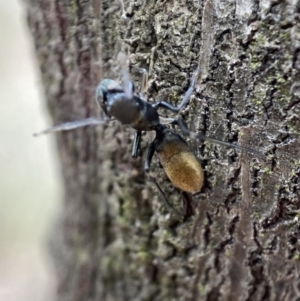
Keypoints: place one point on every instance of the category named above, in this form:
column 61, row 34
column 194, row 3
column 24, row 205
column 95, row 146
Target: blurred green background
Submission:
column 29, row 185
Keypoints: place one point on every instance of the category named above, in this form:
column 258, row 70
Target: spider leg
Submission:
column 167, row 203
column 185, row 99
column 136, row 144
column 199, row 136
column 127, row 85
column 67, row 126
column 188, row 202
column 149, row 157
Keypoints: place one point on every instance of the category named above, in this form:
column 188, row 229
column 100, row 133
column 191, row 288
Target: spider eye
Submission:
column 101, row 96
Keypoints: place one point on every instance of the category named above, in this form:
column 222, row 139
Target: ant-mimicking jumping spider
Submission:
column 177, row 159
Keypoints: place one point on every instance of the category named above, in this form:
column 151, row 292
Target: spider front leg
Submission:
column 67, row 126
column 144, row 79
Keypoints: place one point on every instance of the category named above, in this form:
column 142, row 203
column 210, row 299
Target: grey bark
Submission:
column 116, row 240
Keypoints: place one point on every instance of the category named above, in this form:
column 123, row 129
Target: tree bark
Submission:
column 115, row 239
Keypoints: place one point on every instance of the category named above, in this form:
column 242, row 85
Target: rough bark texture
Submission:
column 116, row 240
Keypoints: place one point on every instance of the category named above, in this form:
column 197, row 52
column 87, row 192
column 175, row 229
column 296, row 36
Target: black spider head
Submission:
column 106, row 88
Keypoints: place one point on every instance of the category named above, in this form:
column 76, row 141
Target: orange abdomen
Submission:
column 183, row 169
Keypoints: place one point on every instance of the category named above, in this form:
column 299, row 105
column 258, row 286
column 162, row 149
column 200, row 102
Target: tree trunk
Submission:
column 116, row 240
